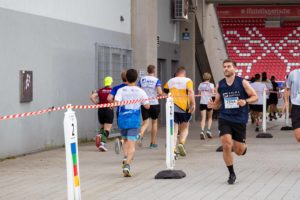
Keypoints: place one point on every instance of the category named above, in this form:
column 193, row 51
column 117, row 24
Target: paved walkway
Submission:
column 270, row 170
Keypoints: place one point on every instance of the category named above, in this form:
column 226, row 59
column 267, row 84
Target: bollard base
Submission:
column 170, row 174
column 264, row 135
column 220, row 149
column 286, row 128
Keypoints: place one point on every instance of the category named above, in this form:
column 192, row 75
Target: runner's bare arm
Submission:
column 192, row 100
column 110, row 98
column 286, row 99
column 93, row 97
column 217, row 102
column 159, row 91
column 251, row 93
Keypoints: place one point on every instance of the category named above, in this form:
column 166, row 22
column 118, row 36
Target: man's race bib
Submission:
column 231, row 102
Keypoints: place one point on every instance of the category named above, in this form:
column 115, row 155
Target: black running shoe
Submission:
column 202, row 136
column 256, row 129
column 231, row 179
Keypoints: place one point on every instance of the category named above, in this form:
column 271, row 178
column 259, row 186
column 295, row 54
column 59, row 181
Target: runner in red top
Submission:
column 105, row 115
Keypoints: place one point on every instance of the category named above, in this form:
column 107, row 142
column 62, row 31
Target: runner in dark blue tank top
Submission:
column 233, row 95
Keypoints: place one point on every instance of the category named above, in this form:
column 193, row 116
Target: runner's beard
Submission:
column 228, row 74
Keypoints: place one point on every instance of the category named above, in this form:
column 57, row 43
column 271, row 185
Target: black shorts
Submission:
column 105, row 115
column 295, row 116
column 204, row 107
column 273, row 99
column 153, row 112
column 182, row 117
column 236, row 130
column 256, row 108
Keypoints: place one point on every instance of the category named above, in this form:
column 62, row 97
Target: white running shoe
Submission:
column 102, row 147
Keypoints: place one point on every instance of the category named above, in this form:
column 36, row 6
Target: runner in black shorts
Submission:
column 273, row 99
column 206, row 90
column 184, row 106
column 152, row 86
column 237, row 130
column 233, row 95
column 180, row 118
column 152, row 113
column 204, row 107
column 105, row 115
column 257, row 108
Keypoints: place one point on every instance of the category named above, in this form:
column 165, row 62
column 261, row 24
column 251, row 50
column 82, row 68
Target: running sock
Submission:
column 106, row 133
column 101, row 130
column 104, row 136
column 230, row 169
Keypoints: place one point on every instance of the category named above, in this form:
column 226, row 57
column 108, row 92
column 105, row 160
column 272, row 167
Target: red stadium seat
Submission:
column 257, row 48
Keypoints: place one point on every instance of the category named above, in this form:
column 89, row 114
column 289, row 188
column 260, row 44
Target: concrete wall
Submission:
column 100, row 14
column 62, row 57
column 167, row 29
column 213, row 41
column 144, row 33
column 187, row 47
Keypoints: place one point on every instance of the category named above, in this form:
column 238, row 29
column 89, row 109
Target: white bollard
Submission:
column 170, row 157
column 264, row 120
column 170, row 173
column 287, row 115
column 71, row 147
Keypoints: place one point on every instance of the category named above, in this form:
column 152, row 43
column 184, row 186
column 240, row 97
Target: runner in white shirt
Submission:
column 268, row 84
column 206, row 90
column 293, row 90
column 129, row 117
column 152, row 86
column 257, row 107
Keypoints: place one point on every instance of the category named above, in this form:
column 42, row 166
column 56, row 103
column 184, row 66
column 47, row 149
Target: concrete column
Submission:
column 187, row 46
column 144, row 33
column 187, row 49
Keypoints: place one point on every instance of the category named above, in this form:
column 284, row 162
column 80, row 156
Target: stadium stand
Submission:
column 257, row 48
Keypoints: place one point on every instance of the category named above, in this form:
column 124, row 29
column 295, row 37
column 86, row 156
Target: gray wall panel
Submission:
column 62, row 58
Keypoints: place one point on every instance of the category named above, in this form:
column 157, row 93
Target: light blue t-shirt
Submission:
column 293, row 83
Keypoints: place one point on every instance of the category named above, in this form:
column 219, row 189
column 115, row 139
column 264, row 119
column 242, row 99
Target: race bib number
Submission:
column 231, row 102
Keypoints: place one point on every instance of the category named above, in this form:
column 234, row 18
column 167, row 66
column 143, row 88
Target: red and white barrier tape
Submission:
column 14, row 116
column 106, row 105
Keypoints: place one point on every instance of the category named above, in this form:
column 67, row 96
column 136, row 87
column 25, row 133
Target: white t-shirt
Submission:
column 206, row 89
column 129, row 115
column 131, row 93
column 259, row 87
column 293, row 83
column 149, row 84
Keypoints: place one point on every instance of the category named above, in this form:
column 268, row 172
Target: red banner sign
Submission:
column 258, row 11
